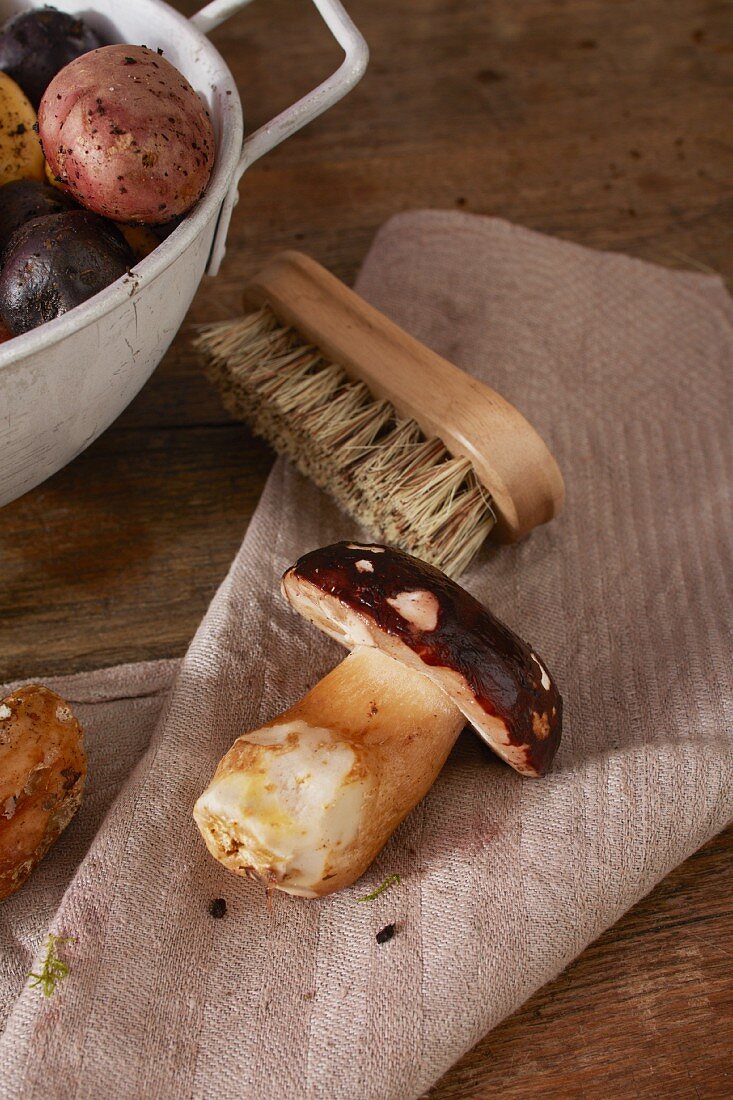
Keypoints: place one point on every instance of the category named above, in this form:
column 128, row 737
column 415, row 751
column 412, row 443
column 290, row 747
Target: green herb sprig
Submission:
column 391, row 880
column 53, row 968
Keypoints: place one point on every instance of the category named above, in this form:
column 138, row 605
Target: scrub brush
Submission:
column 423, row 455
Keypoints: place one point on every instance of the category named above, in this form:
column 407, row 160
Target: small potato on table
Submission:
column 42, row 772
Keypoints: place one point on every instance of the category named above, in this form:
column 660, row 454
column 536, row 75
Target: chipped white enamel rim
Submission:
column 63, row 383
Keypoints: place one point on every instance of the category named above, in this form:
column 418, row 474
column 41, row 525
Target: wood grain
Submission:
column 603, row 121
column 521, row 475
column 645, row 1012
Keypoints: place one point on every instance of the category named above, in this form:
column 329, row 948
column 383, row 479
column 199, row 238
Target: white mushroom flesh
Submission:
column 306, row 803
column 285, row 813
column 418, row 607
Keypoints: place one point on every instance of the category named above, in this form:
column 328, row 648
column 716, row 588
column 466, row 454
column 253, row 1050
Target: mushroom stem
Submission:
column 306, row 802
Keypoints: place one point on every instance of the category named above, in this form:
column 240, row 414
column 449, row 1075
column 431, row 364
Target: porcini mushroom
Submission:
column 306, row 802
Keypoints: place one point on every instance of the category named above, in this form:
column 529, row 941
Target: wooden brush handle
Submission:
column 509, row 457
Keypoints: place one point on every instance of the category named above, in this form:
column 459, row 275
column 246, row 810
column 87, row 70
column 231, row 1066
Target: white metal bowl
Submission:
column 63, row 383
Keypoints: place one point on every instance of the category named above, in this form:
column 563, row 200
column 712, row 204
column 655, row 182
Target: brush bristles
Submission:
column 407, row 489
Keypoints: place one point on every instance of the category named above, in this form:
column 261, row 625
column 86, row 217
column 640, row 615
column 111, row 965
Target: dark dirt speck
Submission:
column 387, row 933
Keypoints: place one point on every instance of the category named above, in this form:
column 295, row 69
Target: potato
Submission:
column 35, row 45
column 54, row 263
column 141, row 240
column 127, row 135
column 53, row 181
column 21, row 156
column 42, row 773
column 21, row 200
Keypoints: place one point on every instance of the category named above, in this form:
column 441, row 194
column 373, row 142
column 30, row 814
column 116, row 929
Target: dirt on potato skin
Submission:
column 127, row 135
column 54, row 263
column 23, row 200
column 36, row 45
column 42, row 774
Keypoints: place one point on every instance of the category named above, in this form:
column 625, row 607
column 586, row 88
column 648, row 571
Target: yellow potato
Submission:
column 50, row 178
column 141, row 240
column 21, row 156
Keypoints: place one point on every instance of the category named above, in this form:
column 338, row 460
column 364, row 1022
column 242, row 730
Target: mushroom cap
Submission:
column 378, row 596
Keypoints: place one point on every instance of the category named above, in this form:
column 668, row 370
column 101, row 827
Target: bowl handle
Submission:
column 292, row 118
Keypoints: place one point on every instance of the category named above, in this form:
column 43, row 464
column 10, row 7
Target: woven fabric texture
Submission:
column 626, row 370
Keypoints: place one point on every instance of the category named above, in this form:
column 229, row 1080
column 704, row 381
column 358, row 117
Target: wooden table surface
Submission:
column 603, row 121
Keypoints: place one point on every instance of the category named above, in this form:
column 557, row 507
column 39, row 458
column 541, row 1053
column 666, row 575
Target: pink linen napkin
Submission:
column 626, row 370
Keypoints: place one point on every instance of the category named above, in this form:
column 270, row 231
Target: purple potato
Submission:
column 22, row 200
column 54, row 263
column 35, row 45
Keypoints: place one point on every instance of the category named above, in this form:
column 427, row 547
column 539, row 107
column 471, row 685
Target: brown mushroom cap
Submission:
column 379, row 596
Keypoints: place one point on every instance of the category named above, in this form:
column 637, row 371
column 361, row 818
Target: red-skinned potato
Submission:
column 127, row 135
